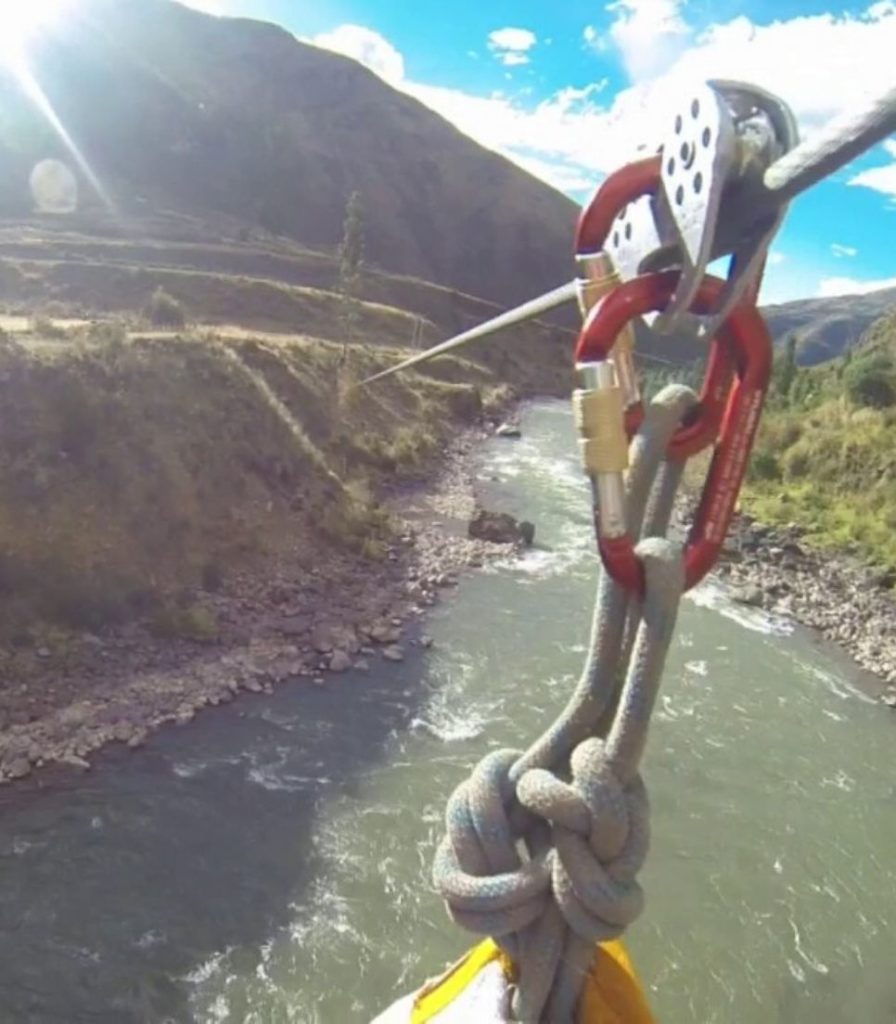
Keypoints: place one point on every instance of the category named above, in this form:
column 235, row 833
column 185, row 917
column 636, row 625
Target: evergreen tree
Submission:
column 787, row 371
column 351, row 262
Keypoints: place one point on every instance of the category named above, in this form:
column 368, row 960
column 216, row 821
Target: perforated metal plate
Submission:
column 699, row 155
column 633, row 238
column 724, row 134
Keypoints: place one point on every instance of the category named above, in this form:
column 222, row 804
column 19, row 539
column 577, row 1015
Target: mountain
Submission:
column 826, row 328
column 236, row 121
column 231, row 133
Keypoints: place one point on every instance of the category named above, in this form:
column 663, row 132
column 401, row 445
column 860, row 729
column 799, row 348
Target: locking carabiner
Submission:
column 728, row 415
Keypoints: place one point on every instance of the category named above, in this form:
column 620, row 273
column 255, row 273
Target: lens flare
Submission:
column 21, row 22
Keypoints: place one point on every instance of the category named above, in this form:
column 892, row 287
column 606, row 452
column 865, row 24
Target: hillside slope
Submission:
column 826, row 328
column 132, row 467
column 825, row 455
column 236, row 119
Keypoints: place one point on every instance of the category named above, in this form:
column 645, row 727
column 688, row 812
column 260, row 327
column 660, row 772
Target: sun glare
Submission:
column 21, row 20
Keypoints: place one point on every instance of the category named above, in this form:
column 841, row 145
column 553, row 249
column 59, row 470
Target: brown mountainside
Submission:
column 233, row 118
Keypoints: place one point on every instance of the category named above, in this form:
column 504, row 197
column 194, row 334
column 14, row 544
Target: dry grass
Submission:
column 133, row 469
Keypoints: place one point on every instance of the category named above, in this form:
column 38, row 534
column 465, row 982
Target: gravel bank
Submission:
column 291, row 622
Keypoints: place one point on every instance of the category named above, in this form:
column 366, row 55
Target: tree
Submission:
column 785, row 369
column 351, row 262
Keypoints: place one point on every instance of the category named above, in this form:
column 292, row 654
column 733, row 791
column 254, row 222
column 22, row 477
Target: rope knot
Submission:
column 599, row 829
column 478, row 869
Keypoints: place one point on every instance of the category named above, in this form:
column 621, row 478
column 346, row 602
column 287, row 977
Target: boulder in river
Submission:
column 500, row 528
column 750, row 595
column 508, row 430
column 340, row 661
column 383, row 633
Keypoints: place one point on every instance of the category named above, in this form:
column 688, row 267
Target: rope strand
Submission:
column 549, row 907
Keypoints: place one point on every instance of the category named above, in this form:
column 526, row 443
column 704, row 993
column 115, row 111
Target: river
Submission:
column 270, row 862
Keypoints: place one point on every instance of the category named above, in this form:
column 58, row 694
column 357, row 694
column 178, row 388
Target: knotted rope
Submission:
column 543, row 848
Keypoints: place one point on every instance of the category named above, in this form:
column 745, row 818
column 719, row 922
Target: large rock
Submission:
column 333, row 637
column 18, row 768
column 750, row 595
column 508, row 430
column 340, row 661
column 383, row 633
column 500, row 528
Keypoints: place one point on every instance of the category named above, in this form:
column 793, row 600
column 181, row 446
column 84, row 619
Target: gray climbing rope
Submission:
column 575, row 799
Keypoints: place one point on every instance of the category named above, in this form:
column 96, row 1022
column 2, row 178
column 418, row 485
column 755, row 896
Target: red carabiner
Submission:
column 624, row 186
column 627, row 302
column 743, row 345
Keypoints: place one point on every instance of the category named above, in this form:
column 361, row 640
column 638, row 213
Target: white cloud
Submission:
column 811, row 61
column 510, row 58
column 833, row 286
column 512, row 39
column 880, row 179
column 594, row 39
column 367, row 47
column 843, row 250
column 569, row 140
column 776, row 258
column 572, row 139
column 511, row 46
column 650, row 35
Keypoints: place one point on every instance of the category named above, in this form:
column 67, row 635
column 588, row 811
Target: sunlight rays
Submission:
column 20, row 24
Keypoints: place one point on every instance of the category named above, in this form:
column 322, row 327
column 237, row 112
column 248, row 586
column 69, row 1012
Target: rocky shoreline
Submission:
column 294, row 622
column 774, row 569
column 290, row 622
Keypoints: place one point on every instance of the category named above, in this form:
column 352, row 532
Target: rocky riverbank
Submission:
column 295, row 621
column 292, row 621
column 774, row 569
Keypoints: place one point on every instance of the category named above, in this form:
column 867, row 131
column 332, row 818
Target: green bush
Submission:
column 164, row 310
column 869, row 382
column 764, row 466
column 796, row 463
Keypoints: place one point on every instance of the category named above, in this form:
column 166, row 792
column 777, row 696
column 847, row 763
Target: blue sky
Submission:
column 568, row 90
